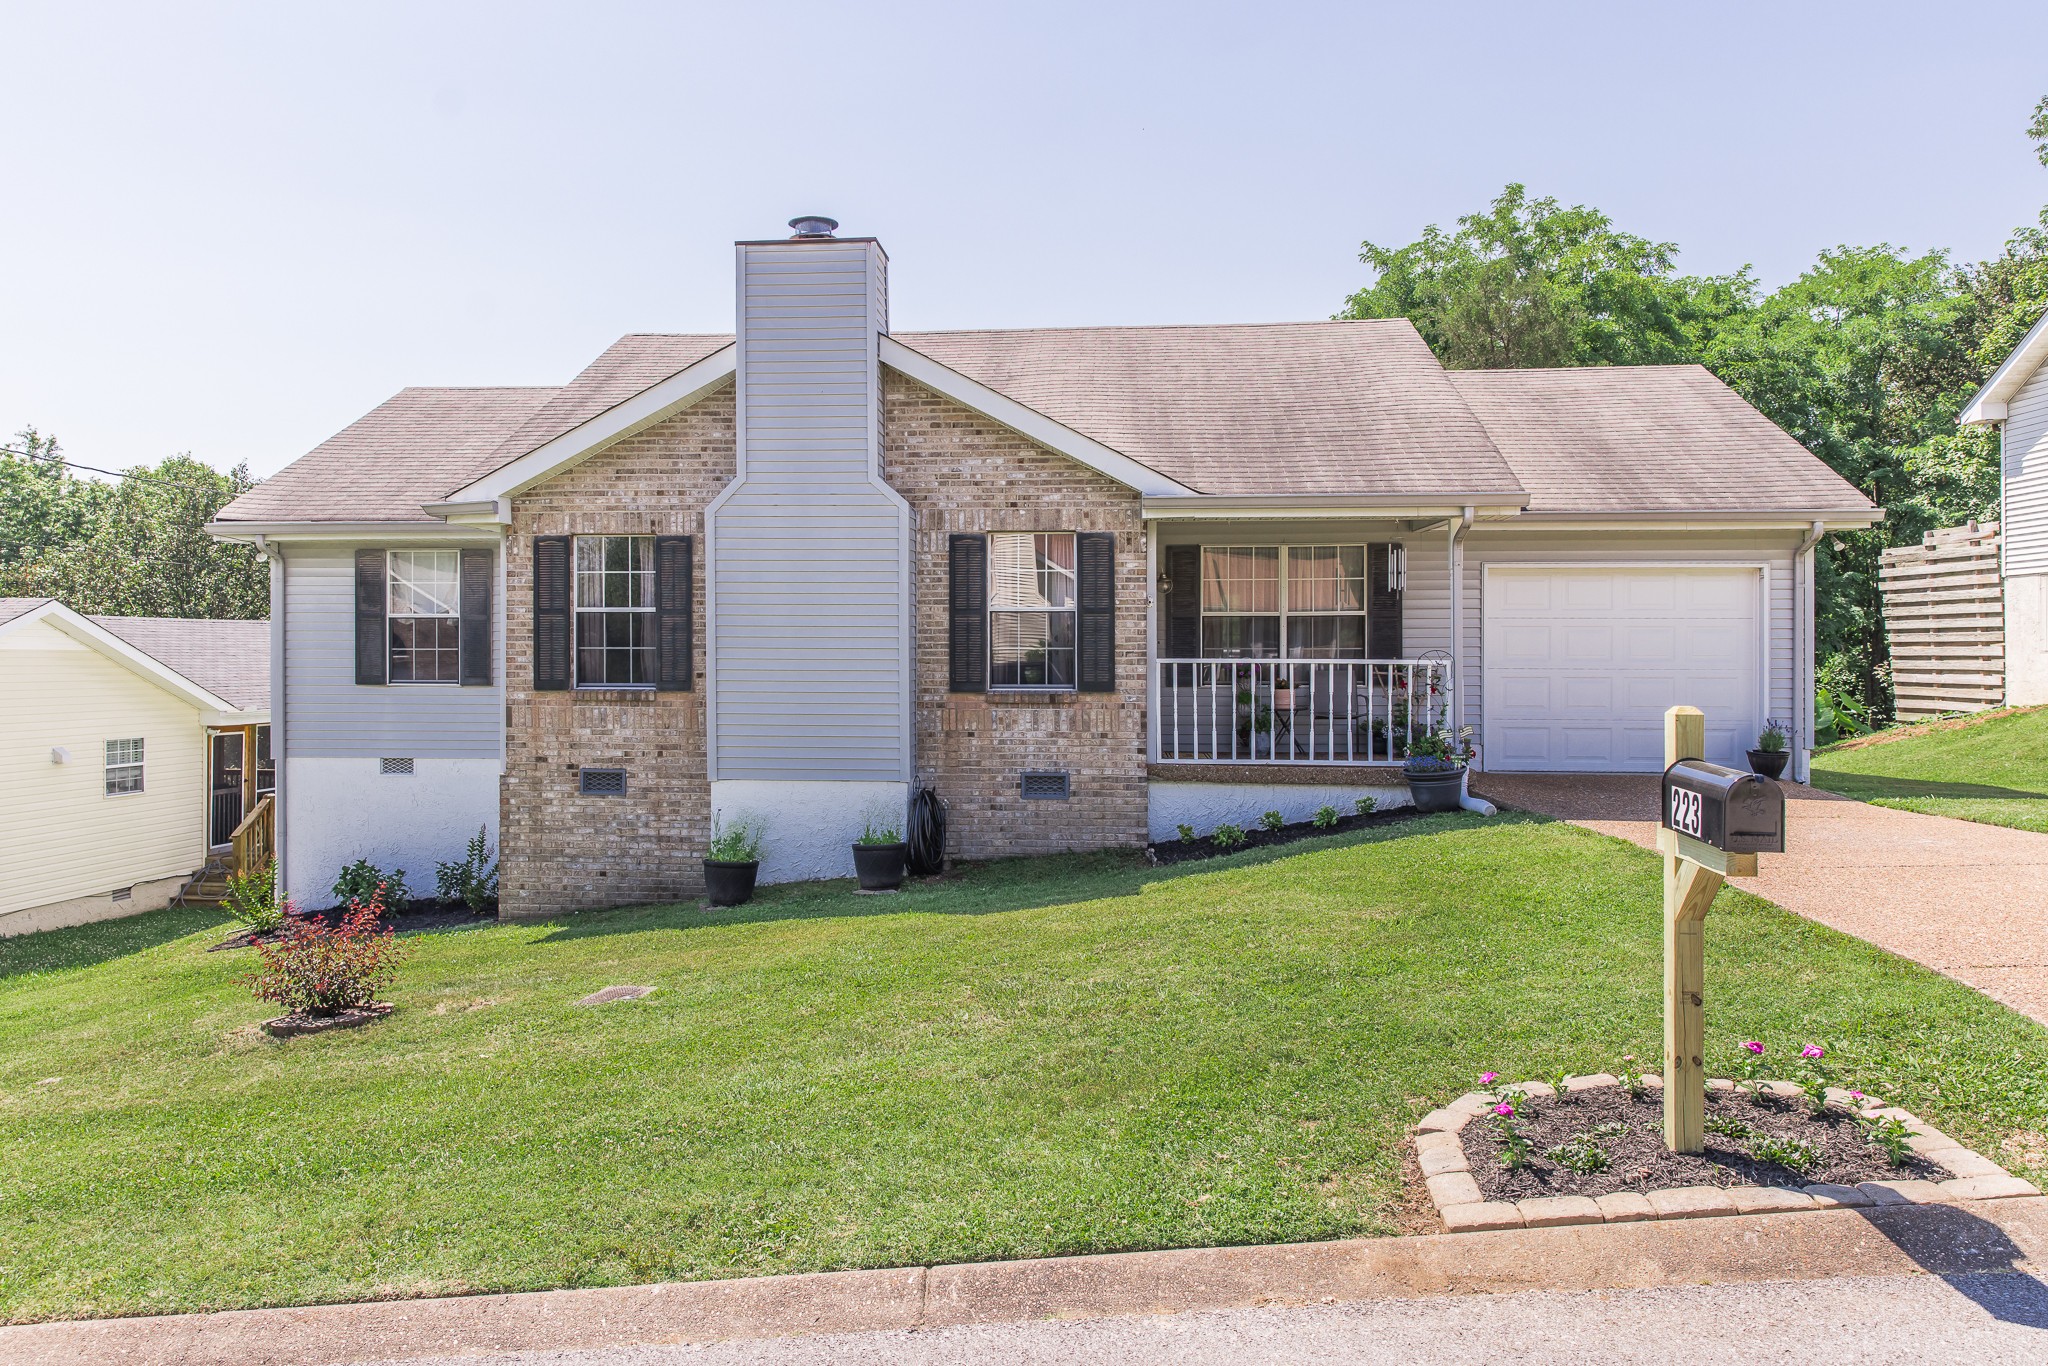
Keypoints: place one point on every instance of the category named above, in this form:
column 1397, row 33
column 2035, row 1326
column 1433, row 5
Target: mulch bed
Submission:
column 1257, row 837
column 417, row 915
column 1639, row 1161
column 297, row 1023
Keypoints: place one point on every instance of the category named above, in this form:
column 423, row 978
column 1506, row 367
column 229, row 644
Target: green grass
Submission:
column 1992, row 769
column 1039, row 1057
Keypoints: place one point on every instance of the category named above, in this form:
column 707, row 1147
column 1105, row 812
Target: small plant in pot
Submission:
column 1435, row 769
column 1771, row 753
column 734, row 861
column 879, row 855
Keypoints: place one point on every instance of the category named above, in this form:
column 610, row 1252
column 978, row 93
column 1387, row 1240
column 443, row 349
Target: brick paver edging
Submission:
column 1440, row 1151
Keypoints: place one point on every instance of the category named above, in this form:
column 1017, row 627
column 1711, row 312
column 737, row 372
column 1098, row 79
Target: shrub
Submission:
column 1894, row 1136
column 252, row 898
column 1227, row 836
column 1272, row 820
column 1771, row 739
column 1325, row 817
column 474, row 880
column 736, row 842
column 1631, row 1077
column 1365, row 805
column 317, row 969
column 1186, row 833
column 363, row 879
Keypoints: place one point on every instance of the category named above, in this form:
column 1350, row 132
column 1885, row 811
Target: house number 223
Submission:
column 1685, row 812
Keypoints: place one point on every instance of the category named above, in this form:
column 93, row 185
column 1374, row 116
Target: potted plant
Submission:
column 879, row 855
column 1435, row 769
column 734, row 860
column 1770, row 755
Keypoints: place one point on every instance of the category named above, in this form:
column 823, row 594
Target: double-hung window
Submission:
column 1031, row 610
column 614, row 611
column 1296, row 601
column 124, row 767
column 425, row 616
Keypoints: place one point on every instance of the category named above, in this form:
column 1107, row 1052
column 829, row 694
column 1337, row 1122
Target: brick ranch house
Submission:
column 1086, row 583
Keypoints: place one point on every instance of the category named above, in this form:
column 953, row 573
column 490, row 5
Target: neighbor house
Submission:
column 2015, row 400
column 1086, row 583
column 134, row 760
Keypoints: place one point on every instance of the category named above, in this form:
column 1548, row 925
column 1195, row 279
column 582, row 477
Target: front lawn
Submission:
column 1039, row 1057
column 1991, row 768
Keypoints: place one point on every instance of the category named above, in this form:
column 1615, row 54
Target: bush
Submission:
column 1186, row 832
column 737, row 842
column 1325, row 817
column 1227, row 836
column 363, row 879
column 316, row 969
column 252, row 898
column 474, row 880
column 1365, row 805
column 1272, row 820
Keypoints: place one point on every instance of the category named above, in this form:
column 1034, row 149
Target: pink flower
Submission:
column 1504, row 1109
column 1488, row 1078
column 1813, row 1050
column 1856, row 1095
column 1753, row 1046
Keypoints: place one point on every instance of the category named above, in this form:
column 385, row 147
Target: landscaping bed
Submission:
column 1259, row 837
column 416, row 916
column 1629, row 1132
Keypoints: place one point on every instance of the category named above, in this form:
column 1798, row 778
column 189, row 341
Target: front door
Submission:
column 227, row 786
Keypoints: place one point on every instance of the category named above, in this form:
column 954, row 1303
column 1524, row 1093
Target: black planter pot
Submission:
column 729, row 884
column 1769, row 762
column 879, row 866
column 1435, row 789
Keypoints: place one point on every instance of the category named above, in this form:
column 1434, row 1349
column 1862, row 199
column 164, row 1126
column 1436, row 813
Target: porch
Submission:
column 1297, row 711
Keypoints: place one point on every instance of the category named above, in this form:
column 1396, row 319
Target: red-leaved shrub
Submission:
column 315, row 969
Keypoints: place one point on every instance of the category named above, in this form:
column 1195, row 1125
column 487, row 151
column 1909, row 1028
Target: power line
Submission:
column 95, row 469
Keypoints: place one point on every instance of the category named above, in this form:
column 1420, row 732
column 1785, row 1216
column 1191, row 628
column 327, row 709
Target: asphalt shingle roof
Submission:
column 230, row 659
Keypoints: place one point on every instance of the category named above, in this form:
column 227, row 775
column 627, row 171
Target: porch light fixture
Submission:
column 59, row 755
column 1397, row 567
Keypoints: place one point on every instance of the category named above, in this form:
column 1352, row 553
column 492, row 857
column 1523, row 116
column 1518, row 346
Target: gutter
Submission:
column 1807, row 630
column 278, row 737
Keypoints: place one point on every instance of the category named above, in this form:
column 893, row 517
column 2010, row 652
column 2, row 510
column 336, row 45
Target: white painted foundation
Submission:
column 1208, row 805
column 2026, row 640
column 339, row 810
column 808, row 828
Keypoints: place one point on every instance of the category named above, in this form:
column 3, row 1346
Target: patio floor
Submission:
column 1965, row 899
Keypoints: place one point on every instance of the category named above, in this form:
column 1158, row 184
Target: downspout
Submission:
column 1805, row 639
column 277, row 732
column 1456, row 553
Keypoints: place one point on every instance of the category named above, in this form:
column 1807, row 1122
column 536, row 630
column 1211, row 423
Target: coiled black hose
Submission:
column 927, row 833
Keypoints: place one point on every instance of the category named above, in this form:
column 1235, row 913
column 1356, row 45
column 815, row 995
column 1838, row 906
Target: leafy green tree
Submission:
column 41, row 504
column 1530, row 283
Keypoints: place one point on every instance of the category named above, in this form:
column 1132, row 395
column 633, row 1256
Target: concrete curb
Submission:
column 1987, row 1236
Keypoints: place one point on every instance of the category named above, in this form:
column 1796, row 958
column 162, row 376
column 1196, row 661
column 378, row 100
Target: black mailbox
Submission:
column 1733, row 811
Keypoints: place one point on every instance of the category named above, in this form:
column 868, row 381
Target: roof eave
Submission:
column 253, row 532
column 1489, row 505
column 1713, row 519
column 144, row 665
column 1991, row 403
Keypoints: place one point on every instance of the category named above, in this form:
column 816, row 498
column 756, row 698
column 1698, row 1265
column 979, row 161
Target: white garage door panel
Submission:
column 1580, row 664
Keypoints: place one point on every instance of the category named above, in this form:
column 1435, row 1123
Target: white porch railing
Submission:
column 1296, row 711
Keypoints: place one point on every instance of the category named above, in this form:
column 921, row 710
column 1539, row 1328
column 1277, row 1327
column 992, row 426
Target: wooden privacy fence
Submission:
column 1944, row 610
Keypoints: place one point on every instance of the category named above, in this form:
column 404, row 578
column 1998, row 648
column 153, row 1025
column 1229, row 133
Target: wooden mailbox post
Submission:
column 1714, row 821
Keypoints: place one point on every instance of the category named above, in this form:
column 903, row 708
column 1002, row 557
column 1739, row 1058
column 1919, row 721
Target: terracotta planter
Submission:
column 1769, row 762
column 729, row 883
column 879, row 866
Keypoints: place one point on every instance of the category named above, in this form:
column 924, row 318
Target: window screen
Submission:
column 124, row 767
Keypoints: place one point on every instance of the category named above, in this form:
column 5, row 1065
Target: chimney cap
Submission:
column 813, row 225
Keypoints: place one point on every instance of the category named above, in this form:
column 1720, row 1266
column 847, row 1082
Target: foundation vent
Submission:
column 1045, row 787
column 400, row 767
column 602, row 782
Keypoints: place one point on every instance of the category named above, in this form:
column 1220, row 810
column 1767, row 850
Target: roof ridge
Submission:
column 1147, row 327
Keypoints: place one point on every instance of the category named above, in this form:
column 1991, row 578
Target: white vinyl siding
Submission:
column 65, row 837
column 328, row 715
column 808, row 551
column 2025, row 514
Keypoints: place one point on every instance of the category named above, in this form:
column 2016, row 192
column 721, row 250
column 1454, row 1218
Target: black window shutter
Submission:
column 1184, row 602
column 550, row 613
column 967, row 604
column 479, row 581
column 675, row 618
column 370, row 613
column 1382, row 607
column 1095, row 595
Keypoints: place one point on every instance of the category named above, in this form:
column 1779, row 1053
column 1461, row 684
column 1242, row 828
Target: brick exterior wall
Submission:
column 962, row 472
column 561, row 850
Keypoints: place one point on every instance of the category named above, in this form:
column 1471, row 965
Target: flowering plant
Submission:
column 1817, row 1077
column 1752, row 1060
column 317, row 969
column 1503, row 1113
column 1631, row 1077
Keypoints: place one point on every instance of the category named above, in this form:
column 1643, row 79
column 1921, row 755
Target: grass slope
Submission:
column 1991, row 768
column 1038, row 1057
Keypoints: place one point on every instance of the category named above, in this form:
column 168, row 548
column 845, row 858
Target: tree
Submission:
column 1529, row 283
column 137, row 548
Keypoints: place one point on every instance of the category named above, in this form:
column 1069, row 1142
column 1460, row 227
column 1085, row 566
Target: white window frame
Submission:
column 126, row 765
column 577, row 611
column 1286, row 610
column 454, row 615
column 1072, row 611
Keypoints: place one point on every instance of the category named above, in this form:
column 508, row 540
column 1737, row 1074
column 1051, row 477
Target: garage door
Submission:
column 1580, row 664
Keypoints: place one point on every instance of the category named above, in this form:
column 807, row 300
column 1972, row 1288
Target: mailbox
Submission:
column 1725, row 808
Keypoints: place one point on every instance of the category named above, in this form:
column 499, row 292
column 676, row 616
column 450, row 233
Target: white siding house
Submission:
column 2015, row 400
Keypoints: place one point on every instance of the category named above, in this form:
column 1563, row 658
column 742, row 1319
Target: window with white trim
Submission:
column 425, row 616
column 615, row 612
column 124, row 767
column 1031, row 611
column 1274, row 601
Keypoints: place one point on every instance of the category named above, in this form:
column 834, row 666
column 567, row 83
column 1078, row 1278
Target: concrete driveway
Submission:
column 1965, row 899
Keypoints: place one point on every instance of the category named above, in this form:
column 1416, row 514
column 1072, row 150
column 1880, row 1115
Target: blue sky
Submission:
column 233, row 229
